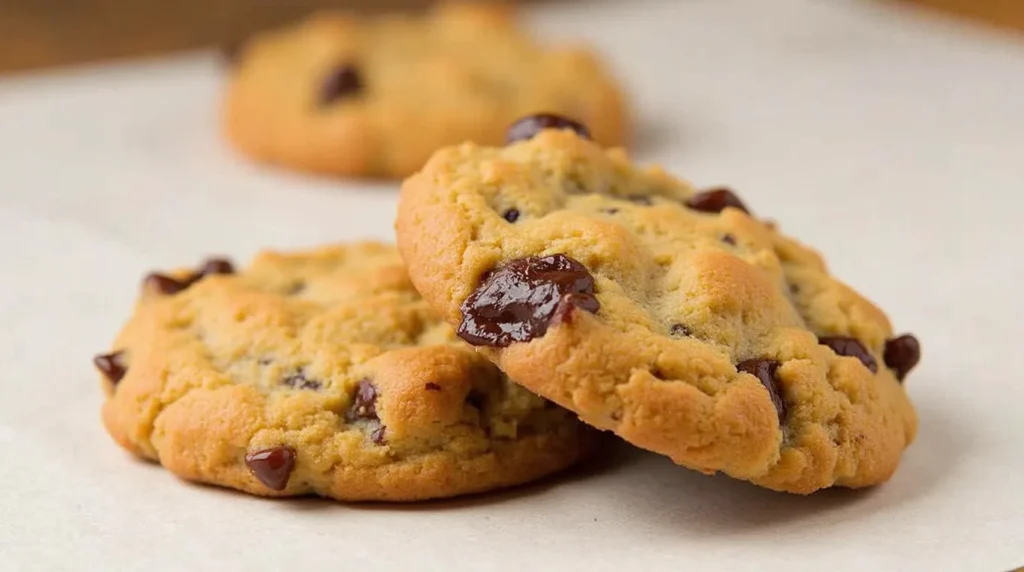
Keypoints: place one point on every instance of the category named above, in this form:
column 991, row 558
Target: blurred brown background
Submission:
column 42, row 33
column 37, row 33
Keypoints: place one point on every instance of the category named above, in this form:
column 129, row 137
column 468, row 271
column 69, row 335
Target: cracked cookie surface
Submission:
column 675, row 318
column 321, row 372
column 376, row 96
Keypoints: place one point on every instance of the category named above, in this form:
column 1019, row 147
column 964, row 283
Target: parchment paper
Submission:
column 893, row 142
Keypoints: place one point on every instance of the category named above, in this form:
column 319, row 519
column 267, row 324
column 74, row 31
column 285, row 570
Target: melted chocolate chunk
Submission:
column 215, row 266
column 846, row 346
column 364, row 405
column 531, row 125
column 300, row 381
column 476, row 399
column 902, row 354
column 519, row 301
column 111, row 365
column 511, row 215
column 566, row 305
column 431, row 386
column 364, row 408
column 680, row 330
column 273, row 467
column 729, row 239
column 715, row 201
column 165, row 284
column 764, row 370
column 343, row 81
column 610, row 210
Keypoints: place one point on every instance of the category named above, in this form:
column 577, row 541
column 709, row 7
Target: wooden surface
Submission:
column 1002, row 13
column 40, row 33
column 43, row 33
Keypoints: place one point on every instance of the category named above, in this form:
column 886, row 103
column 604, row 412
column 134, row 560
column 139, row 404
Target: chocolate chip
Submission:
column 566, row 305
column 364, row 405
column 729, row 239
column 764, row 370
column 431, row 386
column 902, row 354
column 273, row 467
column 531, row 125
column 610, row 211
column 851, row 347
column 511, row 215
column 378, row 435
column 364, row 408
column 164, row 284
column 644, row 200
column 715, row 201
column 794, row 288
column 681, row 330
column 300, row 381
column 215, row 266
column 517, row 302
column 296, row 288
column 476, row 399
column 343, row 81
column 167, row 285
column 111, row 365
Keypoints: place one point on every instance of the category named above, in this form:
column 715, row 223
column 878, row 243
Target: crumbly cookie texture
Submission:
column 321, row 372
column 675, row 318
column 341, row 95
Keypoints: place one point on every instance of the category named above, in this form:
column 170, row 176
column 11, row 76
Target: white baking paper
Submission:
column 891, row 141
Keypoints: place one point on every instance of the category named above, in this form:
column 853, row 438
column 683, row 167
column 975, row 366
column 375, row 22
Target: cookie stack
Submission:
column 542, row 286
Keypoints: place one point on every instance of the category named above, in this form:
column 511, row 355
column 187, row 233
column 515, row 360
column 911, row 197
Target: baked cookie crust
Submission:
column 321, row 372
column 675, row 318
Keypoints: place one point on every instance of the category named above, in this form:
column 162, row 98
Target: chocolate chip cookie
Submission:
column 323, row 373
column 677, row 318
column 376, row 96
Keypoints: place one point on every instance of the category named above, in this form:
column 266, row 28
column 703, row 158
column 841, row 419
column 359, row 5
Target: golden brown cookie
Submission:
column 325, row 373
column 376, row 96
column 675, row 318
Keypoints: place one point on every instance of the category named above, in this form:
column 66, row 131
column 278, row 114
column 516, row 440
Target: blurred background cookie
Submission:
column 376, row 96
